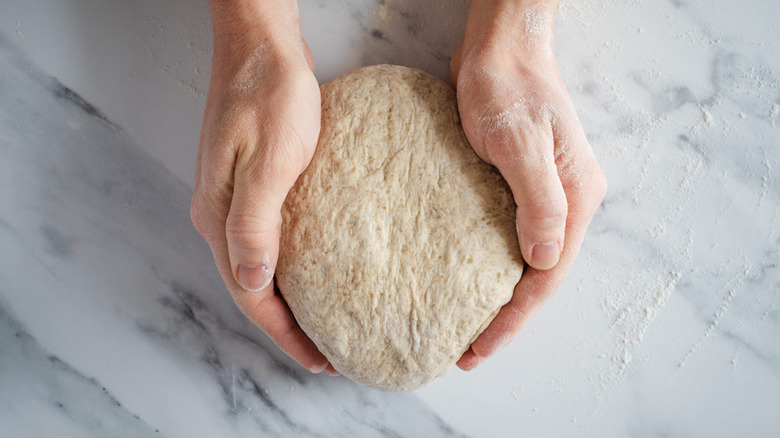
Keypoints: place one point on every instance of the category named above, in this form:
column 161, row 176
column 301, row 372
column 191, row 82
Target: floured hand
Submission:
column 518, row 116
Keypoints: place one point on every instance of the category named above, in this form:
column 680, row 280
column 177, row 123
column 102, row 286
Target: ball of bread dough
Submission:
column 398, row 242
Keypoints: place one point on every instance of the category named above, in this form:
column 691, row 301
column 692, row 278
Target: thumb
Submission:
column 262, row 179
column 531, row 173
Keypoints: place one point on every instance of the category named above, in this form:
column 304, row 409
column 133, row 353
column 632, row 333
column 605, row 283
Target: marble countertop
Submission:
column 114, row 321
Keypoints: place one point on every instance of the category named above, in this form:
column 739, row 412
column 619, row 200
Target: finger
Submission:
column 268, row 310
column 265, row 309
column 332, row 371
column 263, row 177
column 582, row 179
column 223, row 182
column 525, row 157
column 469, row 360
column 585, row 188
column 531, row 292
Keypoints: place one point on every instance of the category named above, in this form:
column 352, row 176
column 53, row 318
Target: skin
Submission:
column 518, row 116
column 260, row 129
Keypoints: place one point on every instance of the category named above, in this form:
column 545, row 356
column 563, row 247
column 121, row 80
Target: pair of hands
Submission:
column 262, row 121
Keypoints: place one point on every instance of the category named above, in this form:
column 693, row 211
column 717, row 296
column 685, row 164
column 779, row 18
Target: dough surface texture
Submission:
column 398, row 242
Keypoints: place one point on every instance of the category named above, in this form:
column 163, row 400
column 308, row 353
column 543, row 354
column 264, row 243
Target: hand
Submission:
column 260, row 129
column 518, row 116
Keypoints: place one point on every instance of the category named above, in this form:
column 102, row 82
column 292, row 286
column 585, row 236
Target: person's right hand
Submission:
column 260, row 129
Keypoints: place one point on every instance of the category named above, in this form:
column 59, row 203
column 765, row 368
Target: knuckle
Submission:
column 524, row 143
column 249, row 230
column 281, row 154
column 600, row 184
column 207, row 211
column 514, row 311
column 199, row 216
column 547, row 212
column 288, row 152
column 594, row 186
column 500, row 149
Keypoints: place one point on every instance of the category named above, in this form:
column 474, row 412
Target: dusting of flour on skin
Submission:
column 536, row 22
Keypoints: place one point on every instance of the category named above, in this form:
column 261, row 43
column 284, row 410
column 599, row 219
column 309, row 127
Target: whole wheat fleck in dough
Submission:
column 398, row 242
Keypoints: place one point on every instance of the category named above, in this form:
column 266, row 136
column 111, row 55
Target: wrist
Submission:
column 521, row 26
column 241, row 27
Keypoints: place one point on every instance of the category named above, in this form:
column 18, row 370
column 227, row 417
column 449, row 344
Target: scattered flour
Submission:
column 179, row 52
column 536, row 22
column 671, row 167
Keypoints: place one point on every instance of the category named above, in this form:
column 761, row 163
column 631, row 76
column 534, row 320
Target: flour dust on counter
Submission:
column 113, row 319
column 671, row 136
column 178, row 50
column 670, row 313
column 667, row 323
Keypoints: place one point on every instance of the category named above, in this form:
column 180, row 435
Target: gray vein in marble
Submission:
column 86, row 203
column 59, row 244
column 60, row 91
column 680, row 100
column 61, row 390
column 192, row 311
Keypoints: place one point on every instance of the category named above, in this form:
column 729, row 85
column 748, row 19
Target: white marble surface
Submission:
column 114, row 322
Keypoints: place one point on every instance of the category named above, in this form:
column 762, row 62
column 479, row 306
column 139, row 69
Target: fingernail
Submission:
column 254, row 278
column 545, row 255
column 316, row 369
column 332, row 371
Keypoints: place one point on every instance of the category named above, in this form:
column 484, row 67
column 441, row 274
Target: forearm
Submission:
column 525, row 25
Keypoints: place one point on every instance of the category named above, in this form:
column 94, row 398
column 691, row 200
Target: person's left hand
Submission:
column 518, row 116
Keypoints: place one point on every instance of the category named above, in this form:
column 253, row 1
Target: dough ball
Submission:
column 398, row 242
